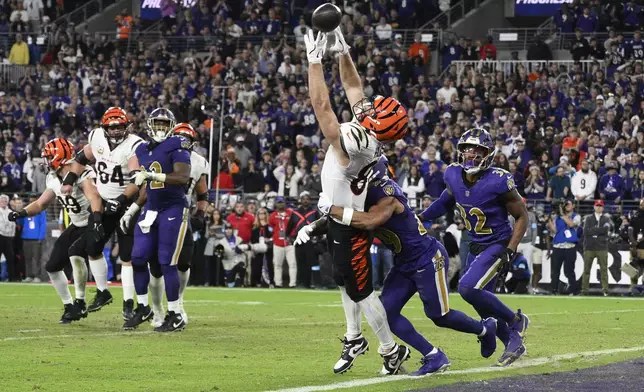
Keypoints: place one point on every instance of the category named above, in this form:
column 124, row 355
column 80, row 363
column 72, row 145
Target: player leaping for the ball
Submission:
column 69, row 246
column 354, row 149
column 163, row 223
column 484, row 197
column 111, row 149
column 420, row 266
column 198, row 172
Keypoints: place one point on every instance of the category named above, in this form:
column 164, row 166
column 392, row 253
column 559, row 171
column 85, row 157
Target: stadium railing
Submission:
column 10, row 74
column 517, row 39
column 84, row 12
column 509, row 66
column 454, row 13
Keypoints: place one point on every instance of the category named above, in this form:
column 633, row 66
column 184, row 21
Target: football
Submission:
column 327, row 17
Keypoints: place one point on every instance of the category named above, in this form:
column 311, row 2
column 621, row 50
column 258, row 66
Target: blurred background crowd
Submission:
column 567, row 130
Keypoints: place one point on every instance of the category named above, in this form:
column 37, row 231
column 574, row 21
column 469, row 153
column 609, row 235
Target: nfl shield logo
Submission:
column 100, row 151
column 467, row 193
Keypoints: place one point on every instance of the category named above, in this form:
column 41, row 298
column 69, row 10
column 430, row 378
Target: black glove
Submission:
column 506, row 256
column 112, row 206
column 98, row 230
column 198, row 221
column 13, row 215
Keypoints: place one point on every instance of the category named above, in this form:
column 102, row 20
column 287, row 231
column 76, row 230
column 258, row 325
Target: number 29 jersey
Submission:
column 76, row 203
column 111, row 165
column 346, row 186
column 482, row 205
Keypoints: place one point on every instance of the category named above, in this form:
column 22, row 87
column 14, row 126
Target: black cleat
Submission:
column 128, row 309
column 141, row 315
column 350, row 351
column 70, row 314
column 81, row 307
column 393, row 361
column 102, row 298
column 173, row 323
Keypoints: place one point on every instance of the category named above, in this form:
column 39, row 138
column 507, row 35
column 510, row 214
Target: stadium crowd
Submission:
column 564, row 134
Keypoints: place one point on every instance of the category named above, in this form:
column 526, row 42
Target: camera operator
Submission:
column 542, row 244
column 597, row 227
column 563, row 224
column 636, row 241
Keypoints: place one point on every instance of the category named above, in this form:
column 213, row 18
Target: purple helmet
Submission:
column 475, row 150
column 161, row 122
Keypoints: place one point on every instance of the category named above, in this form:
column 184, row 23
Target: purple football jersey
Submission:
column 403, row 233
column 160, row 158
column 481, row 205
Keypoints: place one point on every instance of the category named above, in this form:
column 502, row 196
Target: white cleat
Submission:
column 184, row 316
column 159, row 318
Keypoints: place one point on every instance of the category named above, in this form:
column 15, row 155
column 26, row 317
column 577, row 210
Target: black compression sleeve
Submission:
column 202, row 197
column 81, row 158
column 70, row 178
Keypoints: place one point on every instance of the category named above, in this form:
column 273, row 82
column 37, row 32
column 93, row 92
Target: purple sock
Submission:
column 403, row 328
column 459, row 321
column 171, row 277
column 502, row 331
column 141, row 279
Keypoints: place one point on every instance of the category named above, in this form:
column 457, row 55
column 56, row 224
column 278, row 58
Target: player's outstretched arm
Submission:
column 34, row 208
column 348, row 73
column 83, row 158
column 517, row 209
column 375, row 217
column 439, row 207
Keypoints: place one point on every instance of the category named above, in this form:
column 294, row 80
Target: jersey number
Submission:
column 70, row 204
column 480, row 219
column 392, row 240
column 583, row 183
column 155, row 167
column 361, row 180
column 104, row 177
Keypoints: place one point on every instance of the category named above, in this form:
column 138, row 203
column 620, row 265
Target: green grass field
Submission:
column 258, row 340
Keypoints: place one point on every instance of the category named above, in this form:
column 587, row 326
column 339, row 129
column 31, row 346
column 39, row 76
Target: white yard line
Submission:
column 516, row 365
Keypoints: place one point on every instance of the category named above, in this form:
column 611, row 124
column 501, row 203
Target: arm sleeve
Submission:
column 440, row 207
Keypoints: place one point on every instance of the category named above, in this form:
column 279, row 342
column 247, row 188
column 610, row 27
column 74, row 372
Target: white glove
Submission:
column 243, row 247
column 324, row 204
column 126, row 219
column 143, row 176
column 340, row 46
column 315, row 47
column 303, row 235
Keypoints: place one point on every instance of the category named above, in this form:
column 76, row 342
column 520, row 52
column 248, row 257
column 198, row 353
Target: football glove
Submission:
column 98, row 230
column 506, row 256
column 126, row 219
column 112, row 206
column 324, row 204
column 340, row 46
column 315, row 46
column 303, row 235
column 14, row 215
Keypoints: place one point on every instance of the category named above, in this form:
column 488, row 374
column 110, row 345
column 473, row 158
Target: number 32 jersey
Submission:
column 76, row 203
column 111, row 165
column 345, row 186
column 482, row 205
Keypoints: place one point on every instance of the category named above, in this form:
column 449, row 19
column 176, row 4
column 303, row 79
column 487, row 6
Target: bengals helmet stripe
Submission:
column 114, row 116
column 58, row 152
column 185, row 130
column 386, row 119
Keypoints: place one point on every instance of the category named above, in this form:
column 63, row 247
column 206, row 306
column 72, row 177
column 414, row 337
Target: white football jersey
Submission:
column 347, row 186
column 111, row 165
column 198, row 167
column 76, row 204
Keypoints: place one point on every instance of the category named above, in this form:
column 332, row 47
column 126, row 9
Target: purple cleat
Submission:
column 432, row 363
column 488, row 341
column 515, row 347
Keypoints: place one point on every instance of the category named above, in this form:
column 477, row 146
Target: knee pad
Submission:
column 139, row 268
column 155, row 270
column 52, row 266
column 183, row 267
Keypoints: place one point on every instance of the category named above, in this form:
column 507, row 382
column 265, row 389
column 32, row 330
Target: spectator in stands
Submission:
column 288, row 177
column 597, row 228
column 559, row 186
column 414, row 186
column 563, row 226
column 242, row 221
column 584, row 183
column 7, row 232
column 253, row 180
column 565, row 20
column 34, row 10
column 587, row 22
column 19, row 54
column 535, row 184
column 261, row 269
column 312, row 183
column 283, row 249
column 419, row 49
column 233, row 258
column 446, row 93
column 19, row 19
column 242, row 153
column 612, row 185
column 433, row 181
column 33, row 238
column 632, row 15
column 488, row 51
column 580, row 48
column 637, row 189
column 539, row 50
column 596, row 52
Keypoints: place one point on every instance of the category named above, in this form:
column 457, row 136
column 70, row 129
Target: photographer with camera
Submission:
column 563, row 224
column 597, row 227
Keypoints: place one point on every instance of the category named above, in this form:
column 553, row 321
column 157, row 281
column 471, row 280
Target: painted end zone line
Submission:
column 516, row 365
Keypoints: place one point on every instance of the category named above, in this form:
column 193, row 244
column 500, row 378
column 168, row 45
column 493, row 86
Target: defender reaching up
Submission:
column 354, row 149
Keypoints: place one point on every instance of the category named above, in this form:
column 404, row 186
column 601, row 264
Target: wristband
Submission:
column 121, row 199
column 133, row 209
column 160, row 177
column 346, row 216
column 202, row 196
column 70, row 178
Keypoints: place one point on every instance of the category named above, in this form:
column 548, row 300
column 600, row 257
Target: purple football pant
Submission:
column 165, row 239
column 477, row 288
column 430, row 282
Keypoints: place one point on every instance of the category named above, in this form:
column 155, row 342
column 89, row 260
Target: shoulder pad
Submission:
column 87, row 173
column 502, row 180
column 353, row 138
column 388, row 188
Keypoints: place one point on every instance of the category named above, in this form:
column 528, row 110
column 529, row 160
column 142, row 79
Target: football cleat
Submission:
column 101, row 299
column 184, row 316
column 488, row 341
column 173, row 323
column 141, row 315
column 128, row 309
column 350, row 351
column 81, row 307
column 515, row 347
column 392, row 362
column 432, row 363
column 158, row 319
column 71, row 313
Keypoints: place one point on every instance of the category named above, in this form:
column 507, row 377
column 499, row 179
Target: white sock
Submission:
column 99, row 271
column 142, row 299
column 434, row 351
column 376, row 316
column 174, row 306
column 59, row 280
column 79, row 269
column 157, row 288
column 127, row 281
column 352, row 313
column 184, row 276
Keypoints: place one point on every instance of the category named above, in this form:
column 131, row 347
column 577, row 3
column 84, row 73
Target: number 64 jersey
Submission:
column 112, row 170
column 76, row 203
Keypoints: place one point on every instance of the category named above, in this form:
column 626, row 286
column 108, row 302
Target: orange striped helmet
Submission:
column 58, row 153
column 386, row 118
column 187, row 131
column 115, row 122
